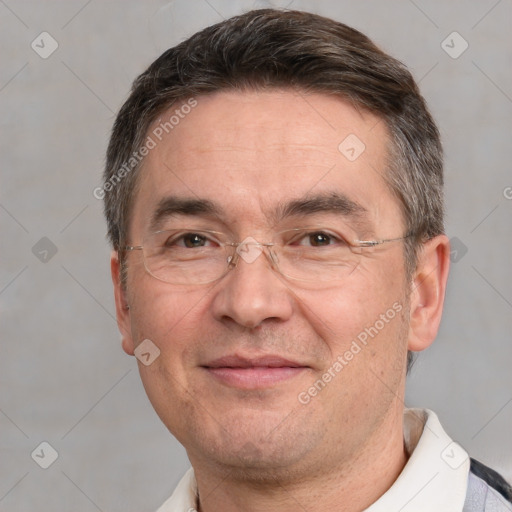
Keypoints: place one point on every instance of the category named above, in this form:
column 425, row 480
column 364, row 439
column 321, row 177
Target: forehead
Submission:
column 249, row 152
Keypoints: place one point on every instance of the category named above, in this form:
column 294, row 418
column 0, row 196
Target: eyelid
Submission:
column 179, row 234
column 308, row 231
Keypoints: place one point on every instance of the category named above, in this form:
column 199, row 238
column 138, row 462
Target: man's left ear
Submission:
column 428, row 290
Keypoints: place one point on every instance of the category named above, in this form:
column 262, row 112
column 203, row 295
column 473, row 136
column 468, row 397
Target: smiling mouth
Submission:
column 253, row 373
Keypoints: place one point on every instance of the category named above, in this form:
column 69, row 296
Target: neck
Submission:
column 350, row 485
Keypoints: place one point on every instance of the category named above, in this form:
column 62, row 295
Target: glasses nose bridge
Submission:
column 249, row 251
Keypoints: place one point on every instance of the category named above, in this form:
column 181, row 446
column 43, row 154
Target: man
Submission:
column 273, row 192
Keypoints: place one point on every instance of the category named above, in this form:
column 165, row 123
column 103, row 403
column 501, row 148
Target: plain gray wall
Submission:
column 63, row 376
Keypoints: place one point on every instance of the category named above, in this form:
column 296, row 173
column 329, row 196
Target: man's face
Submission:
column 250, row 155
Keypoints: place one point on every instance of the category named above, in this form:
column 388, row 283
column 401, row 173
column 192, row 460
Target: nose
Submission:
column 252, row 293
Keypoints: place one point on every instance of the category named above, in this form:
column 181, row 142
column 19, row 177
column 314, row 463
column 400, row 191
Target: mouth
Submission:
column 253, row 373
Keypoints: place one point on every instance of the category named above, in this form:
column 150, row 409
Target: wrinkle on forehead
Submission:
column 252, row 153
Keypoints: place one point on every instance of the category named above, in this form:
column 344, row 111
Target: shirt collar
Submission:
column 436, row 474
column 434, row 478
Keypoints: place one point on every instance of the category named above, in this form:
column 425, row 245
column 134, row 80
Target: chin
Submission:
column 260, row 451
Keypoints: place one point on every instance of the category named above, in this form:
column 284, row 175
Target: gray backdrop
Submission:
column 64, row 379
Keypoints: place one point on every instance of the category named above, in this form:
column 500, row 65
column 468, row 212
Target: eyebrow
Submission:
column 333, row 202
column 172, row 205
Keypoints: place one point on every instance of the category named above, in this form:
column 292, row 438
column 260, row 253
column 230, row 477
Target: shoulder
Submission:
column 487, row 490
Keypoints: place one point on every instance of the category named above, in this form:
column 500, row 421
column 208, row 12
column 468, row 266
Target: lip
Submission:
column 253, row 373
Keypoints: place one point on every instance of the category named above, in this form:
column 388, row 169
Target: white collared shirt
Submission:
column 433, row 480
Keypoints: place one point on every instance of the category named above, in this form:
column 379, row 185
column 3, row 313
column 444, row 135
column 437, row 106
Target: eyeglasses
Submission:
column 311, row 254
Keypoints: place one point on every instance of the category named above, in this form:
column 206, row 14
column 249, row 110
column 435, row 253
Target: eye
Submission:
column 319, row 239
column 187, row 240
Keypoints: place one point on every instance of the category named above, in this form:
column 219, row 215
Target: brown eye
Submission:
column 186, row 240
column 192, row 240
column 319, row 239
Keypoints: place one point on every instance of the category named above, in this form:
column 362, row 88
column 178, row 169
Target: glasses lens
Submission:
column 316, row 255
column 185, row 257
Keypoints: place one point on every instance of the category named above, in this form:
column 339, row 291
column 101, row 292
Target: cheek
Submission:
column 363, row 324
column 373, row 294
column 169, row 316
column 173, row 321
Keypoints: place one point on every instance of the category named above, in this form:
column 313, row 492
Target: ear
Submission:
column 122, row 309
column 428, row 290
